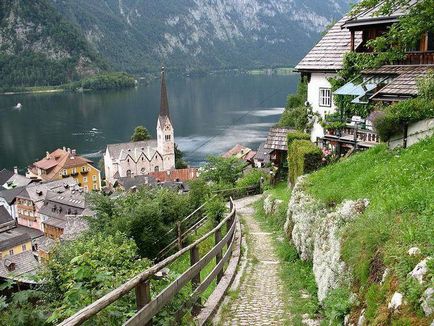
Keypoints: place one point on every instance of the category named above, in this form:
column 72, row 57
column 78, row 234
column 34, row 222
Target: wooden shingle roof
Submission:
column 405, row 79
column 329, row 53
column 277, row 139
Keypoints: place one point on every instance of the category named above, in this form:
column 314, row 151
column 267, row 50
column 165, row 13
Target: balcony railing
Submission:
column 355, row 134
column 418, row 58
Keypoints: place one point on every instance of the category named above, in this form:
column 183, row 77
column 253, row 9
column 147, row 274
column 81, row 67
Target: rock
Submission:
column 420, row 270
column 271, row 205
column 385, row 274
column 414, row 251
column 310, row 322
column 362, row 318
column 347, row 320
column 427, row 301
column 396, row 301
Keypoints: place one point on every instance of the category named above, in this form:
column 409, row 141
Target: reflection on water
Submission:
column 209, row 114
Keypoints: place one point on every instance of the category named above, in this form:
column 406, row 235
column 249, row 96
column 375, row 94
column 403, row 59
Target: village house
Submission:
column 277, row 146
column 241, row 152
column 322, row 63
column 143, row 157
column 263, row 156
column 11, row 184
column 31, row 199
column 64, row 163
column 387, row 84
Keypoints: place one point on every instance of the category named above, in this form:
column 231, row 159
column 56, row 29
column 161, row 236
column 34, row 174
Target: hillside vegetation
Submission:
column 400, row 188
column 39, row 48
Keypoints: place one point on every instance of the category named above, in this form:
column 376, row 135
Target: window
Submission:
column 74, row 170
column 94, row 177
column 24, row 247
column 157, row 168
column 84, row 179
column 30, row 223
column 129, row 173
column 325, row 97
column 64, row 172
column 168, row 137
column 143, row 170
column 95, row 187
column 11, row 252
column 86, row 188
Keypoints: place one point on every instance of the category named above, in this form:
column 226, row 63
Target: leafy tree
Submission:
column 140, row 134
column 145, row 216
column 296, row 113
column 406, row 33
column 180, row 163
column 223, row 171
column 215, row 209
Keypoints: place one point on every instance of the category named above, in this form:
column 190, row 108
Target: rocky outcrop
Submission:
column 316, row 233
column 271, row 204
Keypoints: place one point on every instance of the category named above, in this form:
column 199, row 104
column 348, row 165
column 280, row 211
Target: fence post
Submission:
column 195, row 281
column 218, row 257
column 179, row 231
column 143, row 296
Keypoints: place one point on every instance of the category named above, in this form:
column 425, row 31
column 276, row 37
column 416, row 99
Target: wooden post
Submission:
column 143, row 296
column 195, row 281
column 352, row 41
column 218, row 257
column 178, row 227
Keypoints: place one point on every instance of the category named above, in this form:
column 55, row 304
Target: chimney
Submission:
column 64, row 148
column 69, row 150
column 15, row 169
column 74, row 152
column 47, row 154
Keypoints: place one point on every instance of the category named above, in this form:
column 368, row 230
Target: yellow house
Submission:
column 14, row 242
column 63, row 163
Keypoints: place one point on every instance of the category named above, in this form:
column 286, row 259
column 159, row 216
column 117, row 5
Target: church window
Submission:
column 143, row 170
column 129, row 173
column 167, row 137
column 157, row 169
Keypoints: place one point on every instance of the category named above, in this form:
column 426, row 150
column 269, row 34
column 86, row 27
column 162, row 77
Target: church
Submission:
column 143, row 157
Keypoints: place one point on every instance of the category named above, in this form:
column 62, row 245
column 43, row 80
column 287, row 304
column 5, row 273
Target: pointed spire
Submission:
column 164, row 104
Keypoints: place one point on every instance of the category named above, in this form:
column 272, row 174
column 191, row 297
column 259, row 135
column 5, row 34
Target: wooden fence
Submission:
column 148, row 307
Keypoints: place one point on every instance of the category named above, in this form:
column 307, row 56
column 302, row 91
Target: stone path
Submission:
column 260, row 300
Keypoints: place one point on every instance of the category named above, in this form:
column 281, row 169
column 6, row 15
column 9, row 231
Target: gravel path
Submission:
column 260, row 300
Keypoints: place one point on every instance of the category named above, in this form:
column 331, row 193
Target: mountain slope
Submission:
column 201, row 34
column 38, row 47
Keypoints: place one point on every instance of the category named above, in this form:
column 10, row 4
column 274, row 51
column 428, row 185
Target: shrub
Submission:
column 336, row 305
column 303, row 157
column 296, row 113
column 215, row 209
column 397, row 116
column 297, row 135
column 221, row 170
column 426, row 86
column 252, row 178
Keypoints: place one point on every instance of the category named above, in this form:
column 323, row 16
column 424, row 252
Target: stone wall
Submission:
column 316, row 233
column 415, row 132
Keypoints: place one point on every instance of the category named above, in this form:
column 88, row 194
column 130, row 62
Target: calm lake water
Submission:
column 210, row 115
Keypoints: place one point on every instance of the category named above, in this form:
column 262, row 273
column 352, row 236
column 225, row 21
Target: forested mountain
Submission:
column 50, row 42
column 38, row 47
column 139, row 35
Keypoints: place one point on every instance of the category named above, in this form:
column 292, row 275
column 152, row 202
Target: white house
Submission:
column 322, row 63
column 140, row 158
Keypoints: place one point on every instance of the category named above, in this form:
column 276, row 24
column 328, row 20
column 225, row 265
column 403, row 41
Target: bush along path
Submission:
column 259, row 299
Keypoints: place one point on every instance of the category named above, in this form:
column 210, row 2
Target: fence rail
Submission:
column 148, row 307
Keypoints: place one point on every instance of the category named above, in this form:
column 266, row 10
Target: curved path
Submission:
column 259, row 299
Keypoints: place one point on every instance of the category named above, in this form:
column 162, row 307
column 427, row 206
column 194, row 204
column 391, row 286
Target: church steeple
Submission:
column 164, row 103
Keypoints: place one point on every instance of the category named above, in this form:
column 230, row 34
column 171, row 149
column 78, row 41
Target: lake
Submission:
column 210, row 115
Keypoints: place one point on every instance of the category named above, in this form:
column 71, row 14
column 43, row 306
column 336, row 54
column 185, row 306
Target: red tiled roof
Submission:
column 172, row 175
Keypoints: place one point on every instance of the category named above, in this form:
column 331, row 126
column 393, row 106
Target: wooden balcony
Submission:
column 418, row 58
column 354, row 136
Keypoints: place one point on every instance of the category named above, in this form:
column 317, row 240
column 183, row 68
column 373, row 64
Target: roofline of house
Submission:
column 303, row 70
column 351, row 23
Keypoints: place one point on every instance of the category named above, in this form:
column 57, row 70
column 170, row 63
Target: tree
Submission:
column 296, row 113
column 140, row 134
column 180, row 163
column 406, row 33
column 222, row 171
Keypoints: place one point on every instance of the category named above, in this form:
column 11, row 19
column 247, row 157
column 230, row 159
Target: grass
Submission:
column 400, row 187
column 297, row 276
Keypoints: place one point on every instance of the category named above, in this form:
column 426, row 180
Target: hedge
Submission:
column 297, row 135
column 303, row 157
column 395, row 117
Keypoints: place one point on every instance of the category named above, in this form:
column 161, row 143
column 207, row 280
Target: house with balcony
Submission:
column 64, row 163
column 387, row 84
